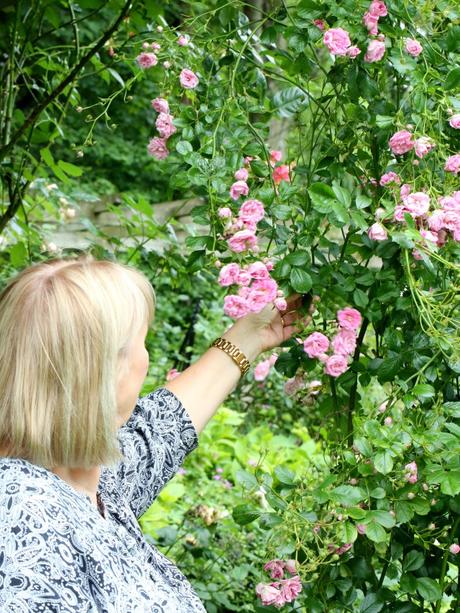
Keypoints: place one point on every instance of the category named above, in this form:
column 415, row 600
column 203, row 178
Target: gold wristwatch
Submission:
column 232, row 350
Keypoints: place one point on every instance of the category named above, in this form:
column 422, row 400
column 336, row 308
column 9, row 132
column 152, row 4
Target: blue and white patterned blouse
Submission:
column 59, row 554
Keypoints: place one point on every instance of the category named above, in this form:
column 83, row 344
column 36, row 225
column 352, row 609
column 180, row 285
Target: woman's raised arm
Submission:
column 204, row 385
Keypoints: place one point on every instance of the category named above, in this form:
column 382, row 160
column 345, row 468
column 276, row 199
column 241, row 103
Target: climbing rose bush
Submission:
column 323, row 141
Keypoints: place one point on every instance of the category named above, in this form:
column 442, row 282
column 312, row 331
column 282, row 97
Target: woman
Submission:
column 81, row 456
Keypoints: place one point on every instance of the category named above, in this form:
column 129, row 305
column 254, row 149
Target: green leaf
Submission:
column 423, row 391
column 289, row 101
column 383, row 462
column 363, row 445
column 183, row 147
column 378, row 493
column 360, row 298
column 47, row 157
column 404, row 512
column 413, row 560
column 362, row 201
column 18, row 255
column 116, row 75
column 246, row 478
column 348, row 532
column 428, row 589
column 376, row 533
column 340, row 214
column 322, row 197
column 284, row 475
column 348, row 495
column 243, row 514
column 298, row 258
column 453, row 79
column 450, row 483
column 70, row 169
column 384, row 518
column 371, row 604
column 300, row 280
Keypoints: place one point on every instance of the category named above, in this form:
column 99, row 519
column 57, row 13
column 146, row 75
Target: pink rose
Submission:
column 450, row 203
column 224, row 212
column 411, row 472
column 188, row 79
column 258, row 270
column 388, row 421
column 291, row 588
column 146, row 60
column 261, row 292
column 353, row 52
column 454, row 548
column 344, row 342
column 165, row 126
column 413, row 47
column 252, row 210
column 401, row 142
column 436, row 220
column 423, row 145
column 241, row 174
column 157, row 148
column 336, row 365
column 244, row 278
column 337, row 41
column 454, row 121
column 370, row 21
column 377, row 232
column 160, row 105
column 269, row 595
column 235, row 306
column 281, row 173
column 389, row 177
column 417, row 204
column 451, row 220
column 228, row 274
column 405, row 190
column 182, row 41
column 275, row 568
column 275, row 156
column 260, row 373
column 281, row 304
column 319, row 23
column 242, row 241
column 375, row 51
column 316, row 344
column 156, row 46
column 172, row 374
column 378, row 8
column 349, row 318
column 453, row 164
column 239, row 188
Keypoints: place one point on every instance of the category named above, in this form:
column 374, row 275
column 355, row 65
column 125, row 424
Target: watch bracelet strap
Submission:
column 232, row 350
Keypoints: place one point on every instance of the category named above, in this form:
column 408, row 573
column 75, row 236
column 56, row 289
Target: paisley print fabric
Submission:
column 60, row 554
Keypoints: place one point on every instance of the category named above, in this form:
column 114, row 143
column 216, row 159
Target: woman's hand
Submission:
column 258, row 332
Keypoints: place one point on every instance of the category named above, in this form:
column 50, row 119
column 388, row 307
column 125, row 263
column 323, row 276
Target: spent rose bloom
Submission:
column 146, row 60
column 224, row 212
column 417, row 204
column 228, row 274
column 336, row 365
column 349, row 318
column 291, row 588
column 242, row 241
column 281, row 173
column 344, row 342
column 165, row 126
column 454, row 121
column 375, row 51
column 188, row 79
column 316, row 344
column 275, row 568
column 353, row 51
column 160, row 105
column 377, row 232
column 166, row 64
column 235, row 306
column 241, row 174
column 269, row 595
column 401, row 142
column 291, row 566
column 252, row 210
column 319, row 23
column 423, row 145
column 413, row 47
column 389, row 177
column 453, row 164
column 239, row 188
column 157, row 148
column 337, row 40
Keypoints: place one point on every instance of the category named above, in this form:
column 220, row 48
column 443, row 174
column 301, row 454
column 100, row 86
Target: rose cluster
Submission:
column 343, row 344
column 278, row 593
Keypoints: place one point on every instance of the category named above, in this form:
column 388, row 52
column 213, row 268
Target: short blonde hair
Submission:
column 65, row 327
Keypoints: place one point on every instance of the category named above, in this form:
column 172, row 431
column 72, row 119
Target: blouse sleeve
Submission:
column 154, row 442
